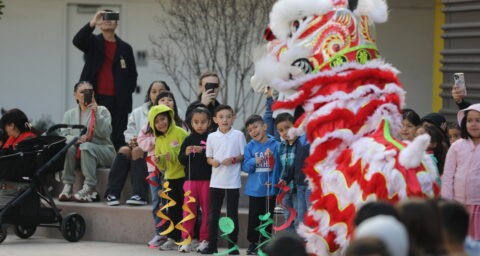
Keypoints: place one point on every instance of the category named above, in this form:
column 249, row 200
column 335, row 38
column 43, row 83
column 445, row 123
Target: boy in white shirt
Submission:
column 225, row 154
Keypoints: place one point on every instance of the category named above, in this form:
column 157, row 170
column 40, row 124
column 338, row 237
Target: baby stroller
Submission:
column 25, row 194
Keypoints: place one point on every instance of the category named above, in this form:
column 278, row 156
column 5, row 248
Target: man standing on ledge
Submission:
column 110, row 68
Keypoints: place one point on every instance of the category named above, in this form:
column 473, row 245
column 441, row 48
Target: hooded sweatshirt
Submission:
column 170, row 142
column 260, row 174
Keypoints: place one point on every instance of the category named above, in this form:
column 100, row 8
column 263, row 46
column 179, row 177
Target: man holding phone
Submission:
column 209, row 85
column 110, row 67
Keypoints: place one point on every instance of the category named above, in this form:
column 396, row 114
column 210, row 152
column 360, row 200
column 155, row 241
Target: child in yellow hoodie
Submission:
column 168, row 140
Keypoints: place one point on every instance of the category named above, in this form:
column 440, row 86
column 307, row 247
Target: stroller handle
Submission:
column 68, row 126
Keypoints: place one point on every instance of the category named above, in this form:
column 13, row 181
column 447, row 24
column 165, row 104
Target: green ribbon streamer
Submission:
column 262, row 229
column 227, row 226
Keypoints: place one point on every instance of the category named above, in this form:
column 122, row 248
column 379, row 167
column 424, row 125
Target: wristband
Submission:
column 234, row 160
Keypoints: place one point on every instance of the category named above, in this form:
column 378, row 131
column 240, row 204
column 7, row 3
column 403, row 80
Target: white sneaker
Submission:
column 87, row 194
column 169, row 245
column 185, row 248
column 66, row 194
column 194, row 244
column 157, row 241
column 202, row 246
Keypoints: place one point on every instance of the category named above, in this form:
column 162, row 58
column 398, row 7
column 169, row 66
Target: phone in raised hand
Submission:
column 459, row 79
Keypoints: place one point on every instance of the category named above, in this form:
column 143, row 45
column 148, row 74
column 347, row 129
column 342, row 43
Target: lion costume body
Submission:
column 322, row 56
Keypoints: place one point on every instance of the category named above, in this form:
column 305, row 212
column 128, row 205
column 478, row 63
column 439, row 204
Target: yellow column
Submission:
column 438, row 46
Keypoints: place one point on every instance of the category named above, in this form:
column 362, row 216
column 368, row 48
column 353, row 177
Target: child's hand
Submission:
column 268, row 153
column 198, row 149
column 215, row 163
column 156, row 159
column 167, row 156
column 227, row 161
column 282, row 182
column 258, row 160
column 189, row 150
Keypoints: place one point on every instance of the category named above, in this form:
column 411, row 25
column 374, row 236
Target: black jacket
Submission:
column 199, row 168
column 295, row 173
column 125, row 79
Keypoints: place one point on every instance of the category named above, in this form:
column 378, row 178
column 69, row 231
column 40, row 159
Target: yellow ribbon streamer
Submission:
column 190, row 216
column 171, row 202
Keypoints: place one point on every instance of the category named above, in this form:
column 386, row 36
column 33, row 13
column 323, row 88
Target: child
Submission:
column 410, row 123
column 166, row 98
column 436, row 149
column 462, row 167
column 454, row 132
column 224, row 153
column 259, row 153
column 15, row 124
column 168, row 139
column 198, row 173
column 293, row 151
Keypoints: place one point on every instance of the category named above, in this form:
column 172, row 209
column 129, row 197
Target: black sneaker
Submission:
column 235, row 252
column 112, row 200
column 209, row 250
column 136, row 200
column 252, row 249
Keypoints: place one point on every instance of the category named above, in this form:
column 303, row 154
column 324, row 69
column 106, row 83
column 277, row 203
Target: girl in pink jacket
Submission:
column 461, row 176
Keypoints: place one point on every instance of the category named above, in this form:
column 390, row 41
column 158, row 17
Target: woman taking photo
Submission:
column 93, row 149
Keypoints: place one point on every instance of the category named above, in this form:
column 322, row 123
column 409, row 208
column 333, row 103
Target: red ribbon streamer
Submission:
column 293, row 213
column 149, row 178
column 90, row 133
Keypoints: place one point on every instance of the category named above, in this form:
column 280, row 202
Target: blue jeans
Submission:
column 157, row 202
column 288, row 200
column 302, row 203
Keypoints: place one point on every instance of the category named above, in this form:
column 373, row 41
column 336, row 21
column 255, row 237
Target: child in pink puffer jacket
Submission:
column 461, row 176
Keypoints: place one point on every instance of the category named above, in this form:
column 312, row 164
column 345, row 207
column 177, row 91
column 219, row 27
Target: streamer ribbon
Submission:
column 171, row 202
column 293, row 213
column 153, row 174
column 227, row 226
column 190, row 216
column 267, row 221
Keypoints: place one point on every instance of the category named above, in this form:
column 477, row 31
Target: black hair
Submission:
column 367, row 246
column 16, row 117
column 453, row 125
column 411, row 116
column 198, row 110
column 75, row 87
column 147, row 97
column 454, row 219
column 352, row 5
column 157, row 132
column 440, row 150
column 288, row 244
column 463, row 127
column 284, row 117
column 299, row 111
column 422, row 220
column 176, row 117
column 222, row 107
column 372, row 209
column 253, row 119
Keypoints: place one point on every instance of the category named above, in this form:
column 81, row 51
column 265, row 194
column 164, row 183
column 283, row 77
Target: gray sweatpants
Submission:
column 90, row 159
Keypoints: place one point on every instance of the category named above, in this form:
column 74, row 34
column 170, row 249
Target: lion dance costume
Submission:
column 322, row 56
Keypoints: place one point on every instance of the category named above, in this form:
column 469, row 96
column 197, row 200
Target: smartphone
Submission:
column 459, row 79
column 87, row 97
column 111, row 16
column 210, row 86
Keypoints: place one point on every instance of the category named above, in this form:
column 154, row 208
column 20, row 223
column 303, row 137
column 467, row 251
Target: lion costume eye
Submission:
column 294, row 27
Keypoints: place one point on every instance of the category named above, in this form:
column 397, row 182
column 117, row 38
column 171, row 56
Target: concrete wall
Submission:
column 33, row 51
column 406, row 41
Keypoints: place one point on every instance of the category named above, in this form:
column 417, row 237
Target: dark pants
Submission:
column 216, row 200
column 175, row 213
column 119, row 172
column 119, row 118
column 258, row 206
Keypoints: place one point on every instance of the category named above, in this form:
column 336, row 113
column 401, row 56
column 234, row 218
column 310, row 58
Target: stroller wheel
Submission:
column 73, row 227
column 25, row 231
column 3, row 233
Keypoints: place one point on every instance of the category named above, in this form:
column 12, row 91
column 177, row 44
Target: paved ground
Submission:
column 41, row 246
